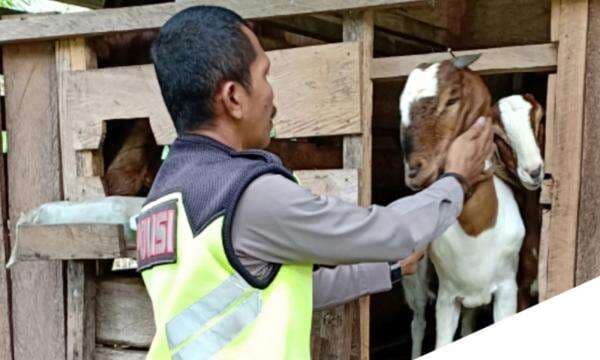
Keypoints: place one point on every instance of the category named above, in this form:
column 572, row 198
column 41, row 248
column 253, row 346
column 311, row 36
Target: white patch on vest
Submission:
column 515, row 116
column 420, row 84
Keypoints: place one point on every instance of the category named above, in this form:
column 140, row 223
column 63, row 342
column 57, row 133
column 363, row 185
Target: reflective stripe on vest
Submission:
column 223, row 332
column 192, row 319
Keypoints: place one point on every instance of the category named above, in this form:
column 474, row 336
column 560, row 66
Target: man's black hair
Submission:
column 196, row 50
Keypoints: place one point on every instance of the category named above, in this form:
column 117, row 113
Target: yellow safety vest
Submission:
column 204, row 309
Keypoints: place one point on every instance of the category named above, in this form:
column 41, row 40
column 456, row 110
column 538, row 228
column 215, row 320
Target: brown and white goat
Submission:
column 477, row 258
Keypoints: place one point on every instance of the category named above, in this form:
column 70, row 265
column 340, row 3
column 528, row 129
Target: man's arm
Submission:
column 278, row 221
column 343, row 283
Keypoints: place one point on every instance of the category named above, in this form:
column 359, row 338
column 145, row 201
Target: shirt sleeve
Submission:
column 344, row 283
column 278, row 221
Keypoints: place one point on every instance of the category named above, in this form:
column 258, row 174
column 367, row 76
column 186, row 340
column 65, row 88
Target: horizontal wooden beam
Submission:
column 154, row 16
column 70, row 242
column 317, row 92
column 514, row 59
column 124, row 313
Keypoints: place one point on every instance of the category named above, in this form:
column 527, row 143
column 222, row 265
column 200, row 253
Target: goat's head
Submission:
column 439, row 102
column 519, row 138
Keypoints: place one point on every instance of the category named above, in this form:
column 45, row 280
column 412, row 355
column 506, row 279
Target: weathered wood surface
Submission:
column 359, row 26
column 550, row 116
column 568, row 144
column 71, row 242
column 34, row 178
column 341, row 183
column 124, row 313
column 5, row 330
column 80, row 173
column 81, row 310
column 514, row 59
column 154, row 16
column 322, row 80
column 104, row 353
column 588, row 237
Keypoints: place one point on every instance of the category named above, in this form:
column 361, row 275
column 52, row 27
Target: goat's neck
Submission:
column 481, row 209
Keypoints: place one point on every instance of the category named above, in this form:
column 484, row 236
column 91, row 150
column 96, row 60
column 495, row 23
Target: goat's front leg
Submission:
column 415, row 291
column 505, row 300
column 447, row 313
column 468, row 323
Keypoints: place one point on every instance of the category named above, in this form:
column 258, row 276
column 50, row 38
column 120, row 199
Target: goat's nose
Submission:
column 413, row 171
column 535, row 173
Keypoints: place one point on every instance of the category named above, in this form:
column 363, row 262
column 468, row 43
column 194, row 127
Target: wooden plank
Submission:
column 543, row 257
column 514, row 59
column 588, row 237
column 568, row 140
column 554, row 19
column 80, row 177
column 342, row 183
column 124, row 313
column 550, row 116
column 81, row 310
column 5, row 329
column 34, row 166
column 547, row 192
column 358, row 26
column 71, row 242
column 103, row 353
column 154, row 16
column 325, row 102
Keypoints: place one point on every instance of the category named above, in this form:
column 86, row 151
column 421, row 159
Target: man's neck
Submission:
column 223, row 135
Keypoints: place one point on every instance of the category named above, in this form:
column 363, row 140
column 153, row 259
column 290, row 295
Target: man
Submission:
column 228, row 240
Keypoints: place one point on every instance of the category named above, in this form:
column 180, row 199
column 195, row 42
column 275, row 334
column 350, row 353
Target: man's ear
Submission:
column 231, row 95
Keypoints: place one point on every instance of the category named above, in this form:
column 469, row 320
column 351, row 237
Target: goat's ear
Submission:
column 463, row 62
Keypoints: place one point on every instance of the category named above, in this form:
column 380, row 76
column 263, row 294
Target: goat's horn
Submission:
column 463, row 62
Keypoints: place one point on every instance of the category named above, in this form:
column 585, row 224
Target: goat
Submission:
column 444, row 98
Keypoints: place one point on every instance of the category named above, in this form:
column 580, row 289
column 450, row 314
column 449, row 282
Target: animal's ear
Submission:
column 536, row 114
column 463, row 62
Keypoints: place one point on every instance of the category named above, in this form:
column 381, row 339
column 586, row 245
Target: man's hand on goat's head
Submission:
column 470, row 150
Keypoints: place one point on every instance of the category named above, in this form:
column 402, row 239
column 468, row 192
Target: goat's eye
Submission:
column 452, row 101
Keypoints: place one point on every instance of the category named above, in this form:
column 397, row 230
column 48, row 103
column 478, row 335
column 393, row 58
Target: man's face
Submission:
column 259, row 110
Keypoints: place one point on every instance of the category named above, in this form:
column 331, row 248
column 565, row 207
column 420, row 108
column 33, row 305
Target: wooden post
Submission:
column 5, row 329
column 38, row 302
column 358, row 26
column 567, row 146
column 588, row 239
column 343, row 332
column 71, row 55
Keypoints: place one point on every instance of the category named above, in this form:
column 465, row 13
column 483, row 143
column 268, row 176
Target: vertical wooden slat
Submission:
column 358, row 26
column 34, row 178
column 567, row 152
column 81, row 307
column 554, row 19
column 343, row 332
column 588, row 239
column 546, row 197
column 5, row 329
column 72, row 55
column 79, row 174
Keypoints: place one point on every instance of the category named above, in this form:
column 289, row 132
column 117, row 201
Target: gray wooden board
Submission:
column 322, row 81
column 154, row 16
column 70, row 242
column 34, row 178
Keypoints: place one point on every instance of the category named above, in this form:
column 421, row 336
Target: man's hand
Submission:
column 409, row 265
column 468, row 152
